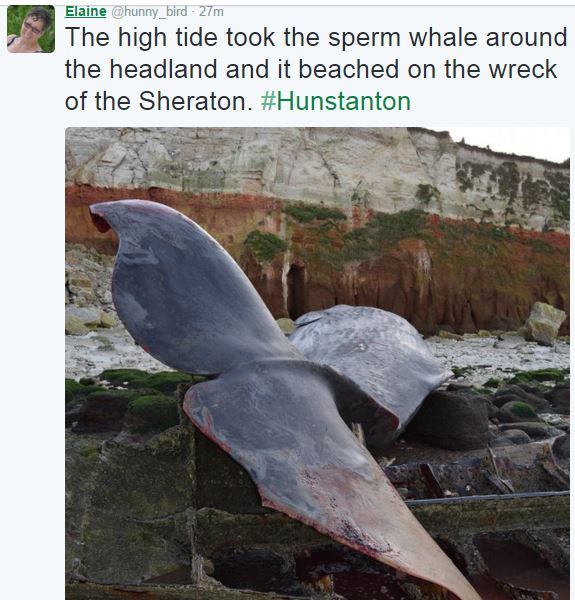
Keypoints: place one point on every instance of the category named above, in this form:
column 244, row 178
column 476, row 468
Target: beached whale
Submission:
column 284, row 418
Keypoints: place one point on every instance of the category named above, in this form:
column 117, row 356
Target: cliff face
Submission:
column 404, row 219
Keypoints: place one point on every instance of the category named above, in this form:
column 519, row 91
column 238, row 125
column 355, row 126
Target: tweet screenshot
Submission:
column 316, row 272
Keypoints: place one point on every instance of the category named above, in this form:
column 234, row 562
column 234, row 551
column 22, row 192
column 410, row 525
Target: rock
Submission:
column 107, row 320
column 286, row 325
column 90, row 317
column 543, row 323
column 75, row 326
column 128, row 507
column 517, row 394
column 561, row 447
column 453, row 420
column 448, row 335
column 510, row 437
column 516, row 412
column 536, row 431
column 559, row 398
column 103, row 411
column 151, row 413
column 484, row 333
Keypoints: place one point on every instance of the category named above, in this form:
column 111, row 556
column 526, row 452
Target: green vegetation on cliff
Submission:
column 305, row 213
column 265, row 246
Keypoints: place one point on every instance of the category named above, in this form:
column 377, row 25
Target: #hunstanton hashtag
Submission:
column 278, row 100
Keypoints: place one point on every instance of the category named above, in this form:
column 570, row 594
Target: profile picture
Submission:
column 30, row 29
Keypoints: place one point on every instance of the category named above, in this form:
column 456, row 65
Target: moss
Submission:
column 76, row 392
column 123, row 377
column 500, row 234
column 265, row 246
column 523, row 410
column 461, row 371
column 508, row 178
column 305, row 213
column 556, row 375
column 426, row 193
column 542, row 247
column 492, row 383
column 534, row 192
column 164, row 381
column 560, row 193
column 152, row 413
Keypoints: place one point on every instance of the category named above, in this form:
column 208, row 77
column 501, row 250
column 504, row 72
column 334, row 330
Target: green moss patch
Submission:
column 152, row 413
column 426, row 193
column 165, row 381
column 556, row 375
column 265, row 246
column 523, row 410
column 305, row 213
column 76, row 392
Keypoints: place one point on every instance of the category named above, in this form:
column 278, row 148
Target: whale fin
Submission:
column 278, row 419
column 181, row 296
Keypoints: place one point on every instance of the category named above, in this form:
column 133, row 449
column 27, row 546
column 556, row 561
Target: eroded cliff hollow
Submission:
column 442, row 233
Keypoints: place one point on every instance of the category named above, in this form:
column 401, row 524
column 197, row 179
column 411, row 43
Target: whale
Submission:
column 282, row 414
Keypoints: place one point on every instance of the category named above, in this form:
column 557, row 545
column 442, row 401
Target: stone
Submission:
column 510, row 437
column 75, row 326
column 448, row 335
column 128, row 506
column 559, row 398
column 286, row 325
column 543, row 323
column 516, row 412
column 453, row 420
column 517, row 394
column 107, row 320
column 561, row 447
column 102, row 411
column 90, row 317
column 536, row 431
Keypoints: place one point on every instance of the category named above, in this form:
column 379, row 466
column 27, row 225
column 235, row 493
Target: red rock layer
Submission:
column 448, row 274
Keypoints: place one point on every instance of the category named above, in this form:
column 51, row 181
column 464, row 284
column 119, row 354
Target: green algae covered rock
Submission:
column 165, row 382
column 129, row 506
column 151, row 414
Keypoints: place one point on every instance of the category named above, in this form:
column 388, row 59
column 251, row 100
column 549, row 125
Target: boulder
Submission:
column 128, row 506
column 456, row 420
column 561, row 447
column 89, row 317
column 286, row 325
column 516, row 412
column 107, row 320
column 559, row 398
column 514, row 393
column 75, row 326
column 536, row 431
column 510, row 437
column 543, row 323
